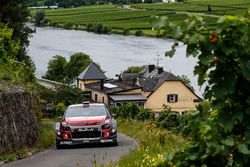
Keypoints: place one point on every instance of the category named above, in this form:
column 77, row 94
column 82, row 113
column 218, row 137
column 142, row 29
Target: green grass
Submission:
column 219, row 7
column 140, row 18
column 46, row 136
column 153, row 143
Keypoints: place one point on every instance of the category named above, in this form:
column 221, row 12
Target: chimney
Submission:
column 151, row 67
column 160, row 70
column 102, row 84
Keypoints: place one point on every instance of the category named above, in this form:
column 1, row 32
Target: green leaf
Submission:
column 238, row 115
column 205, row 58
column 193, row 39
column 205, row 128
column 243, row 148
column 247, row 135
column 245, row 67
column 170, row 53
column 226, row 121
column 229, row 141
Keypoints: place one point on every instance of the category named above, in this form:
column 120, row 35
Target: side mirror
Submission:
column 113, row 115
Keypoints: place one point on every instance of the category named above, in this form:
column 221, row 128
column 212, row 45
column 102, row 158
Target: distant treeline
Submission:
column 76, row 3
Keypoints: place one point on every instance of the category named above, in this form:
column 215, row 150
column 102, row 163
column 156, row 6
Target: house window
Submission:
column 103, row 99
column 96, row 97
column 172, row 98
column 140, row 103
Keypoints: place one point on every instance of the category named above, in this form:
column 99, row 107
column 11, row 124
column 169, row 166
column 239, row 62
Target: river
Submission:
column 113, row 52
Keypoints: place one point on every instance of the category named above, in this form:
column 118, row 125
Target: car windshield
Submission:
column 79, row 111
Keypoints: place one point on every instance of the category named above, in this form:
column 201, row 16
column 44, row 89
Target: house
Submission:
column 152, row 88
column 167, row 1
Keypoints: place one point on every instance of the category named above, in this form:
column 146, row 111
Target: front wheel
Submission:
column 115, row 143
column 58, row 146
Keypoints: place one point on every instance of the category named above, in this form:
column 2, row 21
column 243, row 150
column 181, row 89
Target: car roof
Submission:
column 90, row 104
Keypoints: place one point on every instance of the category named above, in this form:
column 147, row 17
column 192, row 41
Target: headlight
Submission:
column 65, row 128
column 106, row 126
column 64, row 123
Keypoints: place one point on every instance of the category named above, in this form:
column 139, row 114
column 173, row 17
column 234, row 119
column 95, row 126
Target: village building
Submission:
column 152, row 88
column 167, row 1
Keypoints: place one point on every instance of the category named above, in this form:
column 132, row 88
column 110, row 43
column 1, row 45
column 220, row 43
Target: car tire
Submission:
column 115, row 143
column 58, row 146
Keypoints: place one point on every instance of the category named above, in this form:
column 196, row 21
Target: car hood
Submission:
column 85, row 121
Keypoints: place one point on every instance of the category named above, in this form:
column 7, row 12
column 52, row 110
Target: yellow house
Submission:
column 152, row 88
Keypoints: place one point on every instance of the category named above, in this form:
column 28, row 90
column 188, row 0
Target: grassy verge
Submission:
column 46, row 140
column 153, row 143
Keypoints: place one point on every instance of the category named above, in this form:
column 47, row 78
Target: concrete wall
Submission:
column 18, row 122
column 185, row 97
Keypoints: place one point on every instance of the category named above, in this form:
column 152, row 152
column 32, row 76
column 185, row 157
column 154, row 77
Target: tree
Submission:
column 14, row 13
column 62, row 71
column 134, row 69
column 223, row 66
column 11, row 69
column 56, row 69
column 77, row 63
column 39, row 18
column 8, row 47
column 186, row 81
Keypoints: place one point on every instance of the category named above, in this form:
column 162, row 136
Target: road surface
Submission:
column 80, row 156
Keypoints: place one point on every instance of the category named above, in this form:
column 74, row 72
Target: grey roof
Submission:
column 150, row 81
column 120, row 86
column 130, row 97
column 91, row 73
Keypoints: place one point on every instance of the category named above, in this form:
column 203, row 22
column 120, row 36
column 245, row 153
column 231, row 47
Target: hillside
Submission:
column 139, row 16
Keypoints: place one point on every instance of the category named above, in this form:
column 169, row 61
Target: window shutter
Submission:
column 168, row 98
column 176, row 98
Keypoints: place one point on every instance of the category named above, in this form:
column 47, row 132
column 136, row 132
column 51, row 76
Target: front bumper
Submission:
column 74, row 141
column 60, row 141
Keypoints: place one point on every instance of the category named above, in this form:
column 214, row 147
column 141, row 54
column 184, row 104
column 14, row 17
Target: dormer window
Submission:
column 172, row 98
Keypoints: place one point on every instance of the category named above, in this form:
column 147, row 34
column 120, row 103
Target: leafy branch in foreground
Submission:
column 224, row 68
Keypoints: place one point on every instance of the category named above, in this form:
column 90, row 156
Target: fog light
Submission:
column 65, row 136
column 58, row 133
column 113, row 130
column 106, row 134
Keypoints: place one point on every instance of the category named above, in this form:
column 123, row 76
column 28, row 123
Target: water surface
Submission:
column 113, row 52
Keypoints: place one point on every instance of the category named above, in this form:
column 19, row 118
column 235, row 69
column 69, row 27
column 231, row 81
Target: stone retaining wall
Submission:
column 18, row 121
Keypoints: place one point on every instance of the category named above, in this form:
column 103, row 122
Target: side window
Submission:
column 172, row 98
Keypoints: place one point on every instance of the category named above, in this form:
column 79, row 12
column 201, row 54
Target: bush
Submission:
column 145, row 114
column 68, row 26
column 169, row 120
column 90, row 27
column 98, row 28
column 132, row 111
column 60, row 109
column 125, row 31
column 139, row 33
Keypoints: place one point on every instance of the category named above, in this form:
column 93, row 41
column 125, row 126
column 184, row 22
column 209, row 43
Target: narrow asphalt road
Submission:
column 80, row 156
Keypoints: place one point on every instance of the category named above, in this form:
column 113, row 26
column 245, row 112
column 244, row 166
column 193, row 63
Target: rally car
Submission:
column 86, row 123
